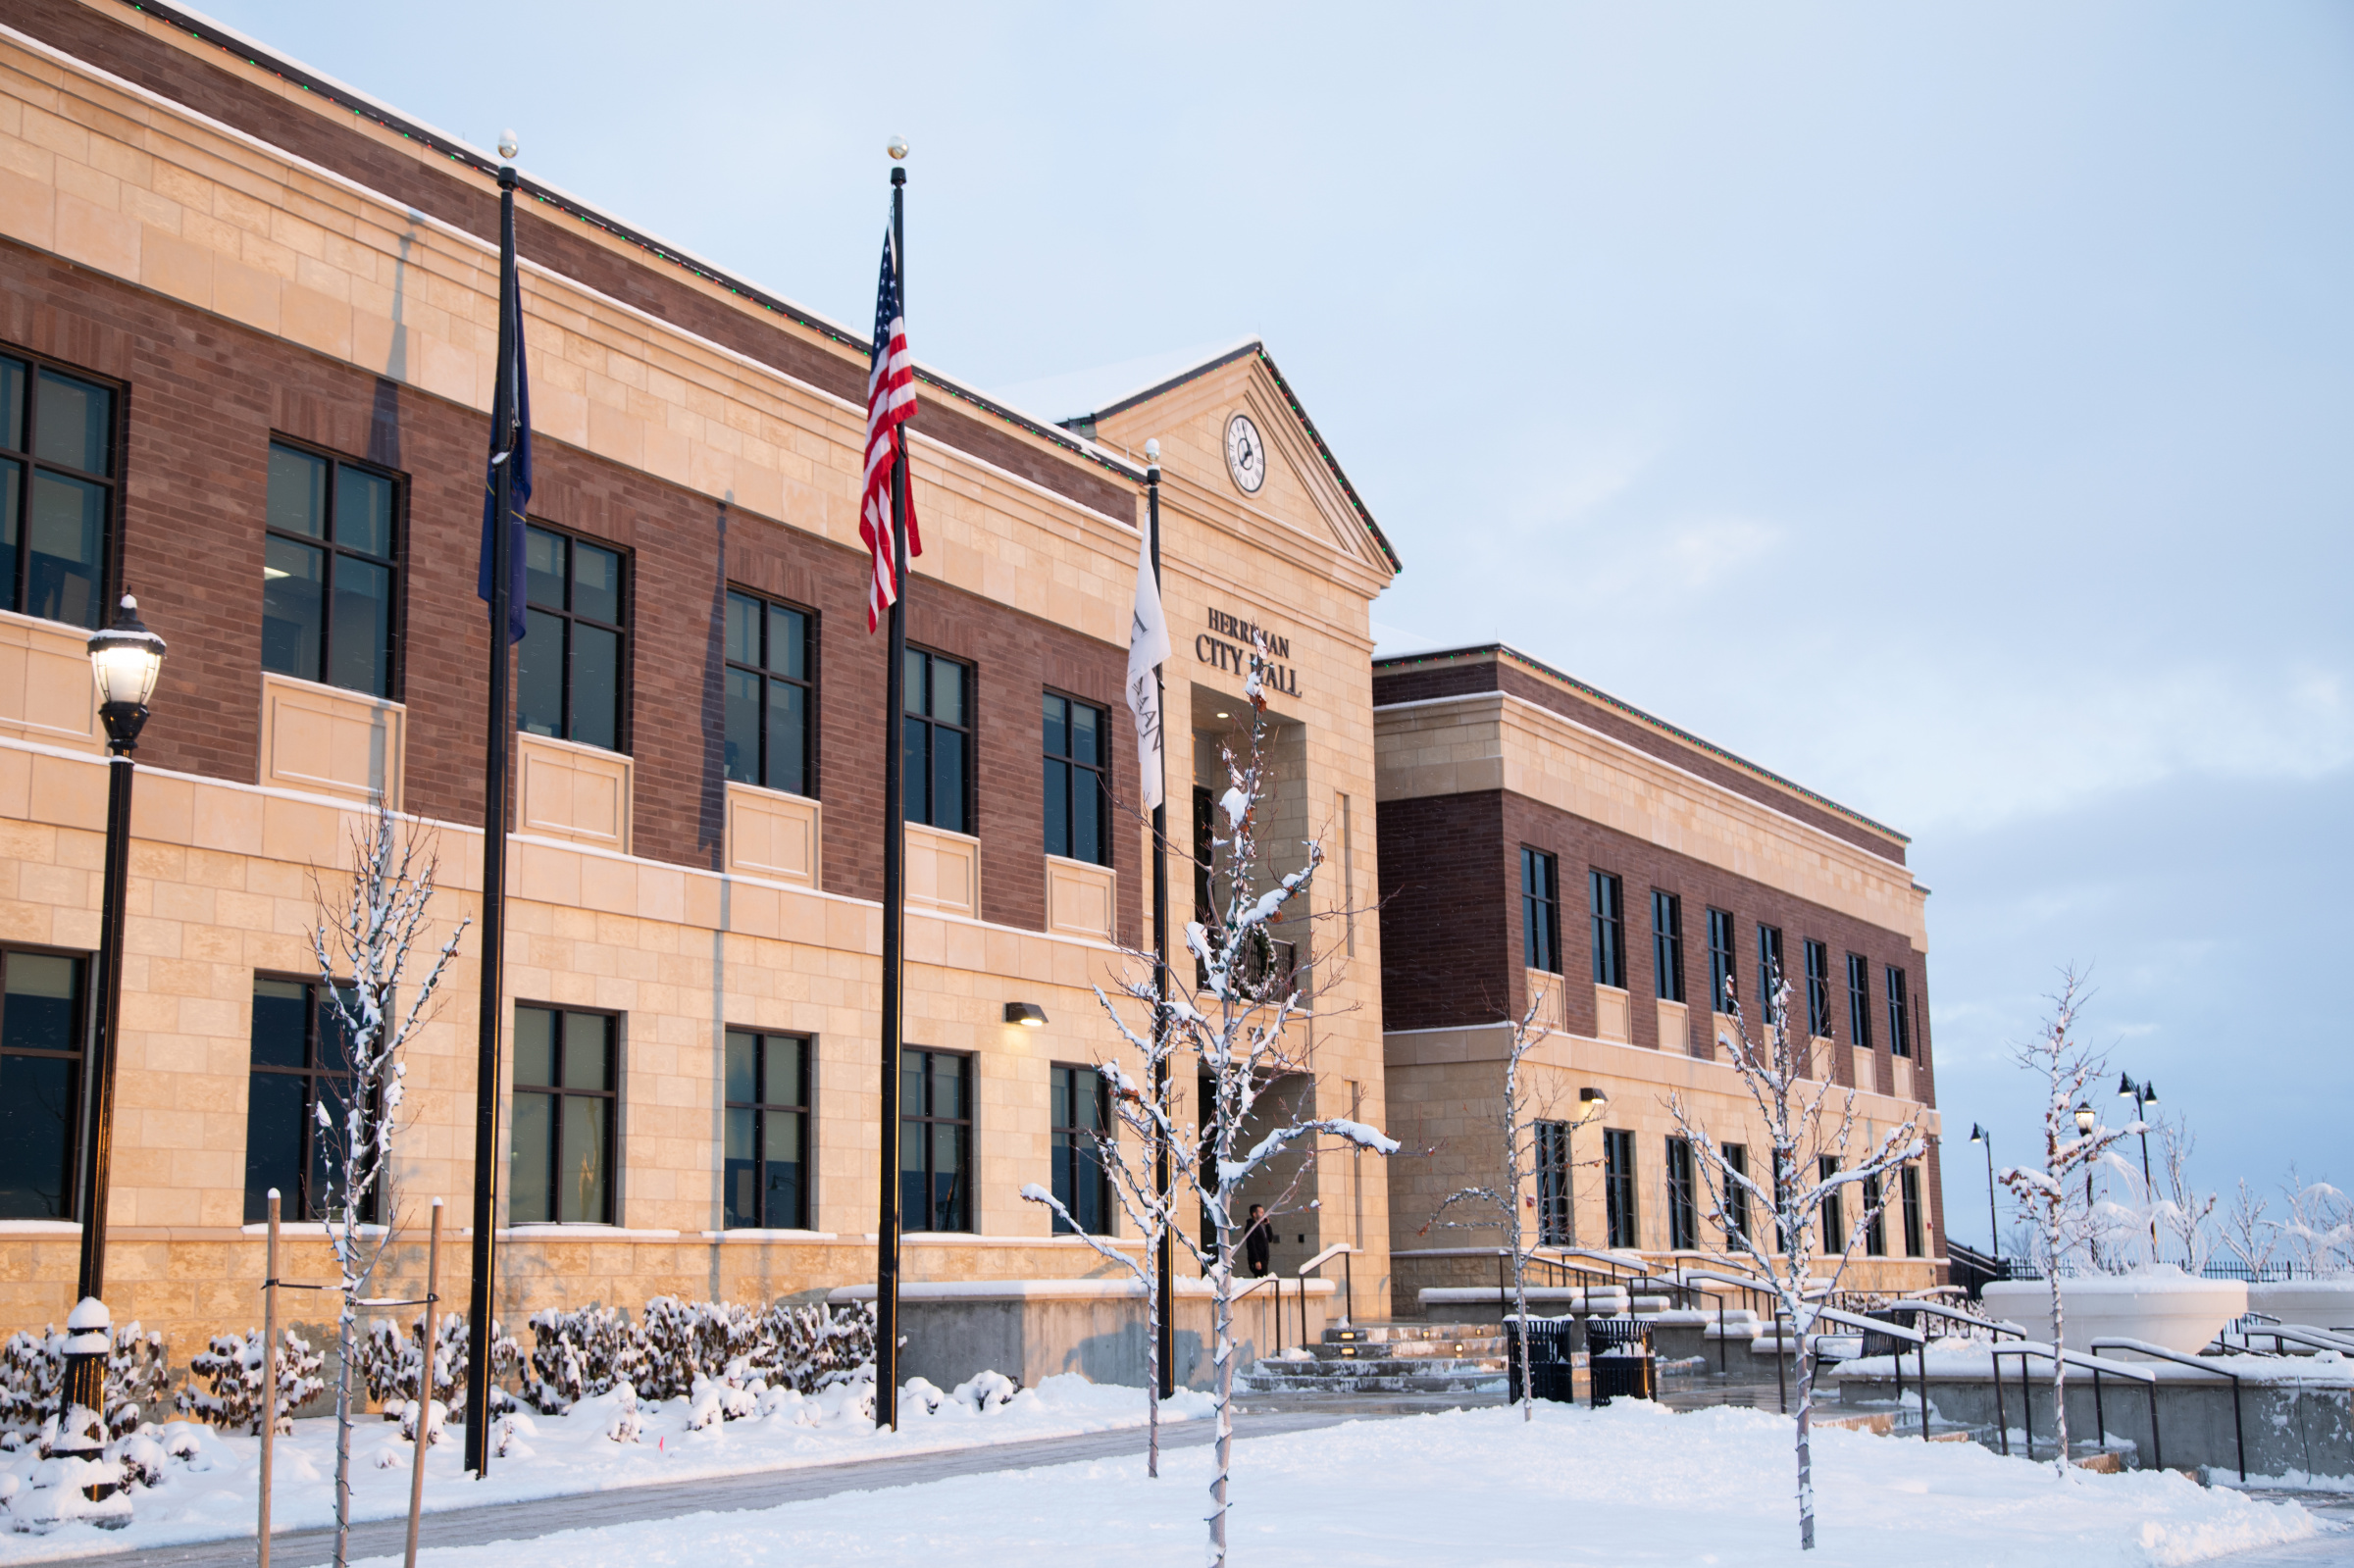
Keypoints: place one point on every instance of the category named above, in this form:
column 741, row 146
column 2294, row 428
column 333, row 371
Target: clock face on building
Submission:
column 1246, row 454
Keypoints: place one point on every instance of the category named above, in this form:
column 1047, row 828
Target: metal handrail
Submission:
column 1345, row 1253
column 1894, row 1330
column 2058, row 1353
column 2239, row 1436
column 2304, row 1334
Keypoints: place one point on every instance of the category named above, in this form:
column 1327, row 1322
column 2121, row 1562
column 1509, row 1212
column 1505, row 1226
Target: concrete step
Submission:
column 1322, row 1373
column 1490, row 1345
column 1406, row 1333
column 1279, row 1377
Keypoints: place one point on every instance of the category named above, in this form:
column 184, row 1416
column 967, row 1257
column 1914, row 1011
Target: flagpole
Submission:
column 894, row 884
column 1168, row 1283
column 499, row 735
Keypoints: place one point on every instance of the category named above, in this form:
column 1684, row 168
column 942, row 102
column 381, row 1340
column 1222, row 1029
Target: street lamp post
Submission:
column 125, row 658
column 1994, row 1233
column 2086, row 1120
column 2143, row 1095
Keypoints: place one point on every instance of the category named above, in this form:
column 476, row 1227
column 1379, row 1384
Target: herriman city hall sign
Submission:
column 1211, row 648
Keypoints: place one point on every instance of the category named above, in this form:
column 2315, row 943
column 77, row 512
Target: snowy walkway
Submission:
column 508, row 1520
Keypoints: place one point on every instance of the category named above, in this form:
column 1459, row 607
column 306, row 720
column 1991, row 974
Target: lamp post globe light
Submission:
column 126, row 659
column 2086, row 1120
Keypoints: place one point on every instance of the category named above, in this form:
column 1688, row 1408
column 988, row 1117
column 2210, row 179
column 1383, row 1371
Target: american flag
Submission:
column 889, row 404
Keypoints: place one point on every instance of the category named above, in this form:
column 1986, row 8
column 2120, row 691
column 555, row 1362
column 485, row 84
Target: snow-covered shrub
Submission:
column 984, row 1392
column 819, row 1347
column 688, row 1341
column 580, row 1353
column 225, row 1381
column 33, row 1378
column 388, row 1361
column 626, row 1420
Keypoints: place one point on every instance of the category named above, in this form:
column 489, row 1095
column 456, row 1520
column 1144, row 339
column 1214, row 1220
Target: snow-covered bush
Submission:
column 388, row 1361
column 32, row 1379
column 225, row 1381
column 579, row 1352
column 984, row 1392
column 626, row 1420
column 819, row 1347
column 688, row 1341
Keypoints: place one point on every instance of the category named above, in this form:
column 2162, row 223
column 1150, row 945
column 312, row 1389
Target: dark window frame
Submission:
column 1076, row 1169
column 912, row 716
column 70, row 1197
column 1900, row 1011
column 1875, row 1226
column 1831, row 1217
column 1858, row 1002
column 1909, row 1196
column 1606, row 899
column 395, row 561
column 304, row 1205
column 1771, row 972
column 558, row 1092
column 1736, row 1196
column 762, row 1106
column 1724, row 964
column 1073, row 766
column 765, row 673
column 1622, row 1211
column 1667, row 944
column 1684, row 1205
column 1819, row 988
column 626, row 646
column 925, row 1119
column 16, row 595
column 1554, row 1181
column 1539, row 911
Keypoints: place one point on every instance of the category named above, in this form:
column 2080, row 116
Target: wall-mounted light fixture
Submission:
column 1027, row 1014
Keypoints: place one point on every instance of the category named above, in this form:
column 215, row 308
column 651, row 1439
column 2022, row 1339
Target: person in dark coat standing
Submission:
column 1255, row 1241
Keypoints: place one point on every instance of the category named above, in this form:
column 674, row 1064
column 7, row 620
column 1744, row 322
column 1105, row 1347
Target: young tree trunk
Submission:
column 2058, row 1361
column 1222, row 1334
column 1806, row 1440
column 347, row 1349
column 1153, row 1381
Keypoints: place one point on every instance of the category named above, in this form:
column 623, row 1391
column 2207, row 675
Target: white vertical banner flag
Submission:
column 1147, row 646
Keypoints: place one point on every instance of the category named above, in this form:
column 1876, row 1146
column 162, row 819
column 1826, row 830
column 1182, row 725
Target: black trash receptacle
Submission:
column 1619, row 1359
column 1552, row 1356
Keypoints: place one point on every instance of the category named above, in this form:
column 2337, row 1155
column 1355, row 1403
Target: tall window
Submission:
column 301, row 1066
column 1667, row 946
column 1876, row 1231
column 1909, row 1195
column 1683, row 1210
column 1770, row 968
column 935, row 1141
column 568, row 679
column 566, row 1101
column 1552, row 1184
column 1723, row 978
column 1834, row 1213
column 1540, row 912
column 328, row 571
column 1858, row 1002
column 1736, row 1196
column 1819, row 990
column 1607, row 899
column 57, row 491
column 765, row 1180
column 939, row 741
column 1618, row 1186
column 40, row 1069
column 1900, row 1020
column 1077, row 825
column 1082, row 1112
column 769, row 680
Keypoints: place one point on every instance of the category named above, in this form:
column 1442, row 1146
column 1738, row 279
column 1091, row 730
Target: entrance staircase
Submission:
column 1388, row 1358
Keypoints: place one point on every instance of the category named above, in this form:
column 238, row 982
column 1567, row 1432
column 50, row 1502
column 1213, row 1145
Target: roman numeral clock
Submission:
column 1246, row 454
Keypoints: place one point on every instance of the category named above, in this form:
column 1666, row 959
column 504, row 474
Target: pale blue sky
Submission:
column 1949, row 407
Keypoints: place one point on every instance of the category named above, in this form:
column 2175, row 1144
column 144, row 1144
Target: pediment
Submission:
column 1301, row 488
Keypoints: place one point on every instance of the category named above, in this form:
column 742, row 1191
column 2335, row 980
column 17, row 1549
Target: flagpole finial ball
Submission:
column 1153, row 451
column 896, row 147
column 508, row 146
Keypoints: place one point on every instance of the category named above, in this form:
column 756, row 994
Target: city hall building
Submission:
column 246, row 344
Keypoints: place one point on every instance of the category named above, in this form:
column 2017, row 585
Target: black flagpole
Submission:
column 1167, row 1347
column 895, row 884
column 499, row 737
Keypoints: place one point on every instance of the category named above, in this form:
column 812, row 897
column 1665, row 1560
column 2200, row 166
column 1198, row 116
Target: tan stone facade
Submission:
column 136, row 225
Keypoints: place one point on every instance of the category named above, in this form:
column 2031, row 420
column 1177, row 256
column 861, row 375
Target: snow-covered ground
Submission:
column 1631, row 1483
column 211, row 1495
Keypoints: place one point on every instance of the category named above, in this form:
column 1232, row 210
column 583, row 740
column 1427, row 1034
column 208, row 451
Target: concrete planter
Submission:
column 2170, row 1308
column 2316, row 1304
